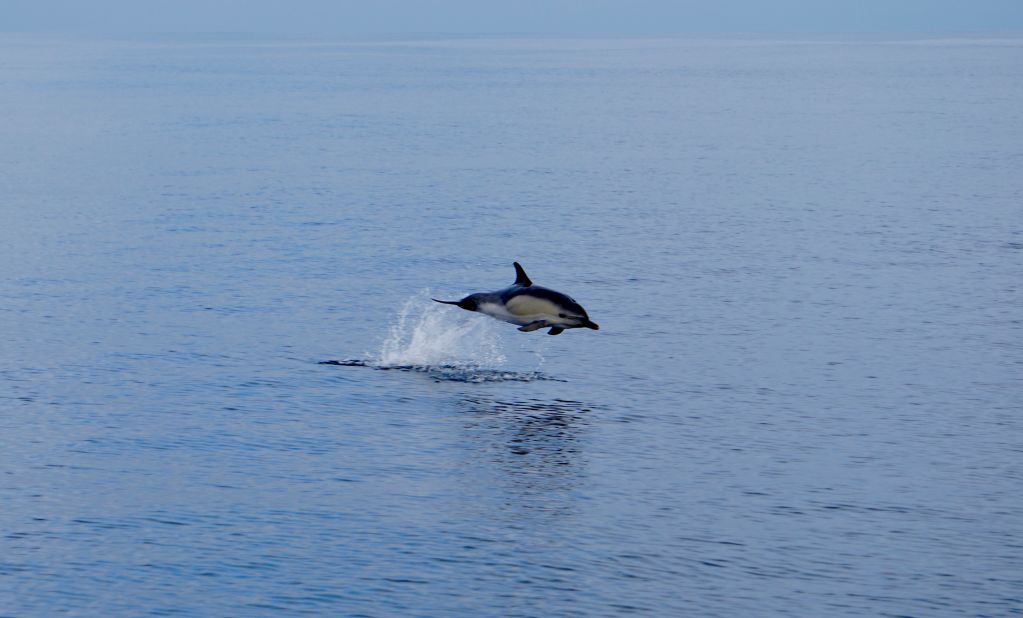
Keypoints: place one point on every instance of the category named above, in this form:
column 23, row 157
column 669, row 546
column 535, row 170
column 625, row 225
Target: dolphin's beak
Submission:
column 446, row 302
column 589, row 324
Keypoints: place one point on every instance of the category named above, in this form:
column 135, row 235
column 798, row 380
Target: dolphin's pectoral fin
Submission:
column 555, row 330
column 528, row 328
column 521, row 278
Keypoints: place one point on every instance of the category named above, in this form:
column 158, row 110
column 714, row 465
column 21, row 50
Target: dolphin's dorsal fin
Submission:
column 521, row 278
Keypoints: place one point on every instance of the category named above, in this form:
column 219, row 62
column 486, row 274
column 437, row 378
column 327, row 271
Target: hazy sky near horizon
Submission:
column 523, row 16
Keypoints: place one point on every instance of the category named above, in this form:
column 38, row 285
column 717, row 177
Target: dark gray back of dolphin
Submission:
column 521, row 280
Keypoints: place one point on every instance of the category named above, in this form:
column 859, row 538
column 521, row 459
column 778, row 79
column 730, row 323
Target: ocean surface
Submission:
column 805, row 399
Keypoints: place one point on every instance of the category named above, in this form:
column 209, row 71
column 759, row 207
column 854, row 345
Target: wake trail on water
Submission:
column 445, row 343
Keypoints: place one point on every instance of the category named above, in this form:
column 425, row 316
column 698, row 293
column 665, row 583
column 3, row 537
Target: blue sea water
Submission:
column 804, row 255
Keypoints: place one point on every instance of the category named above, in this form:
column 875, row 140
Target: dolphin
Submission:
column 530, row 306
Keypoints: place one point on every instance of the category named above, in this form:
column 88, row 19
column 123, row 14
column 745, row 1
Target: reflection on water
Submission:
column 537, row 446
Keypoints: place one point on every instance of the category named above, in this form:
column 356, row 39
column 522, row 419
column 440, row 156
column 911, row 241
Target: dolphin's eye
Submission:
column 562, row 315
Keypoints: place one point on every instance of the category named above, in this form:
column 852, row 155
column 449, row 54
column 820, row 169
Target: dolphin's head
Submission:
column 575, row 315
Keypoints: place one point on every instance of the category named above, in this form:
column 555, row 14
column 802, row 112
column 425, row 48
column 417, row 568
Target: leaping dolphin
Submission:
column 530, row 306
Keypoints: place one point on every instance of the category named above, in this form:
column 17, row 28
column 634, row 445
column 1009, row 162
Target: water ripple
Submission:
column 452, row 372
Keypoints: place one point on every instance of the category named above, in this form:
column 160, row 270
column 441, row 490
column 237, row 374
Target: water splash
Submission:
column 445, row 343
column 428, row 334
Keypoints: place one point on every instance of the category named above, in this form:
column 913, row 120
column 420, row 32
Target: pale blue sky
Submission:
column 511, row 16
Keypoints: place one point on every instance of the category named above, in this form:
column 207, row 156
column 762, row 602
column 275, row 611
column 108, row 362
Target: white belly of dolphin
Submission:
column 523, row 310
column 525, row 305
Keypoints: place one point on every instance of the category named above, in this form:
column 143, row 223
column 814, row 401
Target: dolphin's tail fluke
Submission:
column 468, row 303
